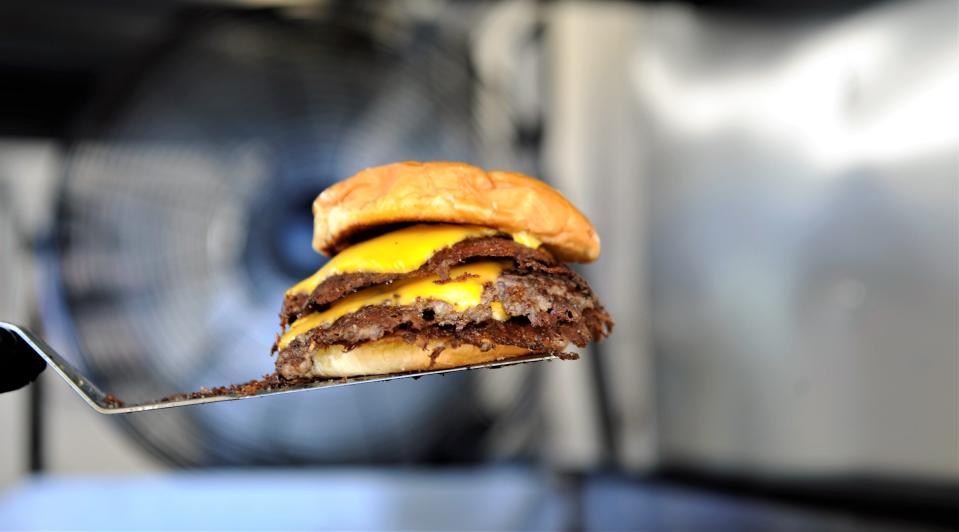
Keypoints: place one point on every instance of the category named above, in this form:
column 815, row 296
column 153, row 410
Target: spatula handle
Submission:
column 21, row 365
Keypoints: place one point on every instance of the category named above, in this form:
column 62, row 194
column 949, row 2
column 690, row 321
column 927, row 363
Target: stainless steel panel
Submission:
column 804, row 272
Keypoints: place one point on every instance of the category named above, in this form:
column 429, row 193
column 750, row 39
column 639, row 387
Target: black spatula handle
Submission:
column 19, row 363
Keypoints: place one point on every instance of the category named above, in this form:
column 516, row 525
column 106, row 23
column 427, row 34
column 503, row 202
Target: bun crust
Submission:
column 393, row 355
column 451, row 192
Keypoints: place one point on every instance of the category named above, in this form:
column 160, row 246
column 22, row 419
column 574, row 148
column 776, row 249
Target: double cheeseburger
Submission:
column 438, row 265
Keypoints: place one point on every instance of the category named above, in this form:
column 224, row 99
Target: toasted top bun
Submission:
column 451, row 192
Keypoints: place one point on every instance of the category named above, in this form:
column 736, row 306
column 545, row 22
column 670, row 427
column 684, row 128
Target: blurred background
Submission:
column 777, row 190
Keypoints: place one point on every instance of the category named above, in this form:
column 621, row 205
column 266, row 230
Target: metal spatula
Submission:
column 26, row 356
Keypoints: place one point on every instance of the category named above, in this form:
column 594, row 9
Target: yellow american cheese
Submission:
column 465, row 290
column 400, row 251
column 527, row 240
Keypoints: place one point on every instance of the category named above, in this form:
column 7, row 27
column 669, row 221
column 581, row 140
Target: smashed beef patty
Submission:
column 296, row 360
column 338, row 286
column 547, row 312
column 541, row 300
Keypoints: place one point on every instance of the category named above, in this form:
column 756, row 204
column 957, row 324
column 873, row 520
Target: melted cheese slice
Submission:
column 400, row 251
column 463, row 291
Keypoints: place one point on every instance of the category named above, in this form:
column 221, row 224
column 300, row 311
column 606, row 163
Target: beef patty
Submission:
column 338, row 286
column 546, row 312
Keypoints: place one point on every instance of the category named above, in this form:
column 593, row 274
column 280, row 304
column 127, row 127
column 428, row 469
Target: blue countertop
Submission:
column 394, row 499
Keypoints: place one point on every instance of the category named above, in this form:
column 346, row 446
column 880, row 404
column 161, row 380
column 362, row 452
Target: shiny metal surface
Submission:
column 804, row 239
column 105, row 404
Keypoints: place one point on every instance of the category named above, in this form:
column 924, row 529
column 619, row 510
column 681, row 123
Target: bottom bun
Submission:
column 393, row 355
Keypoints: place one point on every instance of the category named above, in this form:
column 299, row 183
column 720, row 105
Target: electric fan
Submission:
column 185, row 214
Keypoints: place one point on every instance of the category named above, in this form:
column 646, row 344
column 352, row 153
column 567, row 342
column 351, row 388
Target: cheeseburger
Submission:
column 437, row 265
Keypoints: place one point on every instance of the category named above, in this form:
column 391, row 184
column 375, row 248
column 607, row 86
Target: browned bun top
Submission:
column 451, row 192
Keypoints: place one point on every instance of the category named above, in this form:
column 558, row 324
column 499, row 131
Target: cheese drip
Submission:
column 527, row 240
column 463, row 291
column 400, row 251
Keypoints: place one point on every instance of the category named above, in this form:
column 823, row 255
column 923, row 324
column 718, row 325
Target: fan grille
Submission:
column 185, row 215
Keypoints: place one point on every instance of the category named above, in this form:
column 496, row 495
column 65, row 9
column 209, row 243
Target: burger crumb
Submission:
column 269, row 382
column 112, row 401
column 457, row 279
